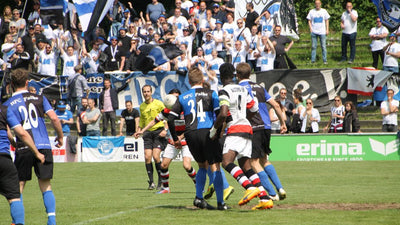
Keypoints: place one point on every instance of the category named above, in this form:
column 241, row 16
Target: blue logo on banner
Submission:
column 105, row 147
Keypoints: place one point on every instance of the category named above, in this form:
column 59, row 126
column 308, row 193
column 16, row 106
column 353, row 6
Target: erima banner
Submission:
column 282, row 11
column 321, row 85
column 343, row 147
column 102, row 149
column 389, row 12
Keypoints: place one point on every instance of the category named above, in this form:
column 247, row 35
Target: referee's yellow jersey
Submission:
column 149, row 111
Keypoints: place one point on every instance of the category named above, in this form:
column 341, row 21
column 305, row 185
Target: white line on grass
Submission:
column 115, row 214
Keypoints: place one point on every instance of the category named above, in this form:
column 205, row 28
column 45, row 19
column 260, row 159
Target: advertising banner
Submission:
column 338, row 147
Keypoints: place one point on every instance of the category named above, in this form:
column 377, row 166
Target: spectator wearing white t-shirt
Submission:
column 215, row 62
column 178, row 22
column 392, row 54
column 389, row 109
column 349, row 34
column 238, row 52
column 378, row 36
column 267, row 53
column 318, row 21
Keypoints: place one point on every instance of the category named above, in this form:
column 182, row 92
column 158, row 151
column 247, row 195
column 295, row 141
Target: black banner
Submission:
column 321, row 85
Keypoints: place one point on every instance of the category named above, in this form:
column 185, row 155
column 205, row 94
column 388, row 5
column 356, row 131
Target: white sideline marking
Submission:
column 115, row 214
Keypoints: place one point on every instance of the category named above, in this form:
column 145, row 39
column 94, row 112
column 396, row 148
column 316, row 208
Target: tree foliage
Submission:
column 366, row 12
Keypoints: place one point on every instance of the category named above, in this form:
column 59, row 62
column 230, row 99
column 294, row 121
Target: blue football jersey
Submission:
column 260, row 120
column 198, row 106
column 29, row 110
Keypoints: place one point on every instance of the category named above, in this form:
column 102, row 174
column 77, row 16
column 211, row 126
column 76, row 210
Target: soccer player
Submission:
column 261, row 124
column 171, row 151
column 199, row 105
column 9, row 186
column 30, row 110
column 154, row 138
column 235, row 100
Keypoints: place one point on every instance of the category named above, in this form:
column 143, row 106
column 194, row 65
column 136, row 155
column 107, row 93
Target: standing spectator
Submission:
column 378, row 36
column 187, row 39
column 199, row 17
column 178, row 22
column 392, row 54
column 335, row 124
column 208, row 23
column 287, row 105
column 208, row 46
column 252, row 53
column 20, row 59
column 154, row 138
column 65, row 117
column 77, row 88
column 115, row 56
column 108, row 104
column 8, row 49
column 241, row 33
column 218, row 35
column 389, row 109
column 275, row 123
column 27, row 41
column 296, row 121
column 350, row 121
column 92, row 119
column 80, row 126
column 182, row 62
column 115, row 15
column 154, row 10
column 187, row 4
column 47, row 60
column 238, row 52
column 310, row 117
column 130, row 116
column 124, row 41
column 280, row 43
column 349, row 33
column 215, row 62
column 19, row 22
column 229, row 26
column 267, row 54
column 218, row 14
column 267, row 23
column 318, row 21
column 71, row 59
column 252, row 15
column 182, row 12
column 199, row 61
column 34, row 16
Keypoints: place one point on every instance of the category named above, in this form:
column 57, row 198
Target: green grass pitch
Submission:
column 318, row 193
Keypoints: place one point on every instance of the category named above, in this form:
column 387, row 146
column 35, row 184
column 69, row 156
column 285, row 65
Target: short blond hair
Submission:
column 195, row 76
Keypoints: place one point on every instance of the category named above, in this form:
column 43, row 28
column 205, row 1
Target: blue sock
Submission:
column 201, row 177
column 210, row 176
column 218, row 186
column 265, row 183
column 270, row 170
column 224, row 181
column 50, row 205
column 17, row 212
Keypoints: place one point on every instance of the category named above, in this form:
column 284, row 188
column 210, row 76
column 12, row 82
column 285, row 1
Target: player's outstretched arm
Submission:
column 148, row 126
column 27, row 139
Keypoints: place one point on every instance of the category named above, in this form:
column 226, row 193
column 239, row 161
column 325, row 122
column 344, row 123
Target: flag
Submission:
column 53, row 87
column 152, row 56
column 389, row 12
column 91, row 12
column 282, row 11
column 102, row 149
column 364, row 81
column 53, row 11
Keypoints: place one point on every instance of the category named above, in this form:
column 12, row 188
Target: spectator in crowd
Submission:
column 32, row 90
column 132, row 31
column 38, row 30
column 207, row 24
column 130, row 64
column 199, row 17
column 78, row 88
column 218, row 14
column 229, row 26
column 287, row 105
column 7, row 16
column 177, row 21
column 124, row 41
column 212, row 80
column 90, row 60
column 80, row 126
column 378, row 36
column 199, row 61
column 296, row 121
column 389, row 109
column 63, row 36
column 115, row 56
column 229, row 6
column 310, row 117
column 266, row 53
column 335, row 124
column 241, row 33
column 12, row 29
column 47, row 60
column 34, row 16
column 275, row 123
column 154, row 10
column 108, row 104
column 318, row 21
column 71, row 59
column 392, row 55
column 115, row 15
column 350, row 121
column 65, row 117
column 215, row 62
column 182, row 62
column 19, row 22
column 182, row 12
column 238, row 52
column 252, row 15
column 187, row 39
column 218, row 35
column 27, row 41
column 208, row 45
column 187, row 4
column 195, row 8
column 20, row 58
column 92, row 119
column 349, row 34
column 252, row 53
column 130, row 116
column 281, row 49
column 132, row 12
column 267, row 23
column 8, row 49
column 154, row 138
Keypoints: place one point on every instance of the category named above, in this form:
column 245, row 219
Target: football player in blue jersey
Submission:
column 261, row 125
column 30, row 110
column 199, row 106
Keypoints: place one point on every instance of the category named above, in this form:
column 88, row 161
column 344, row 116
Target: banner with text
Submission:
column 343, row 147
column 321, row 85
